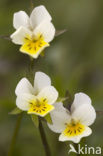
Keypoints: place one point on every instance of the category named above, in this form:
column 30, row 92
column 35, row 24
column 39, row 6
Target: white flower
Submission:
column 73, row 124
column 39, row 99
column 33, row 33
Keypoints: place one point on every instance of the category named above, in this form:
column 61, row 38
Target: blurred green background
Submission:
column 74, row 61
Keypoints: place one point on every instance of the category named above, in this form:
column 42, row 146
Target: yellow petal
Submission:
column 74, row 129
column 33, row 46
column 41, row 110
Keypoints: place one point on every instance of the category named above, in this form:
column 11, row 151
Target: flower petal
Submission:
column 22, row 101
column 46, row 29
column 41, row 80
column 19, row 35
column 59, row 117
column 31, row 52
column 85, row 114
column 49, row 93
column 20, row 19
column 24, row 86
column 80, row 99
column 38, row 15
column 41, row 111
column 76, row 139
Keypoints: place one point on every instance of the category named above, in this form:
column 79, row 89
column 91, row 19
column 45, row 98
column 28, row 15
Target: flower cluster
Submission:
column 41, row 100
column 34, row 33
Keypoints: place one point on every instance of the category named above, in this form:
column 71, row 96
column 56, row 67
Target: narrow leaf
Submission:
column 15, row 111
column 48, row 118
column 99, row 112
column 35, row 120
column 60, row 32
column 7, row 37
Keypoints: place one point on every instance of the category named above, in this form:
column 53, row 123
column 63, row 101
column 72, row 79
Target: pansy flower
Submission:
column 73, row 124
column 37, row 99
column 33, row 33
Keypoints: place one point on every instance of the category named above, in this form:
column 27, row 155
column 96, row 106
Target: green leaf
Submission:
column 48, row 118
column 15, row 111
column 35, row 120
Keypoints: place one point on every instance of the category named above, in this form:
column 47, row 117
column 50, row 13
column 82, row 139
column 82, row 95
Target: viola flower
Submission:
column 33, row 33
column 73, row 124
column 39, row 99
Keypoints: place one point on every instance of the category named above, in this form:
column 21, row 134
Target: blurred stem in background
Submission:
column 15, row 134
column 17, row 127
column 43, row 138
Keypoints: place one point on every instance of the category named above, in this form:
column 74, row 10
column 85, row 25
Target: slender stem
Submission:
column 44, row 140
column 31, row 66
column 14, row 137
column 31, row 6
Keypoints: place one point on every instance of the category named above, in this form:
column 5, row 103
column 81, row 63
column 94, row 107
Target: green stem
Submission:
column 31, row 6
column 14, row 137
column 44, row 140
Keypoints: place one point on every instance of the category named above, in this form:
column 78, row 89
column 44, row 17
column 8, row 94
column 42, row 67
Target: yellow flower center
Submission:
column 40, row 107
column 32, row 45
column 74, row 129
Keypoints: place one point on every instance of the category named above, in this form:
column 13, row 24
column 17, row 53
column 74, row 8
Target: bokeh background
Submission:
column 74, row 61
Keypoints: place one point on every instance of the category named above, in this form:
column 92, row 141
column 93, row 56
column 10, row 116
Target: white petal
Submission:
column 19, row 35
column 23, row 100
column 85, row 114
column 24, row 86
column 38, row 15
column 76, row 139
column 80, row 99
column 49, row 93
column 20, row 19
column 59, row 117
column 41, row 80
column 45, row 28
